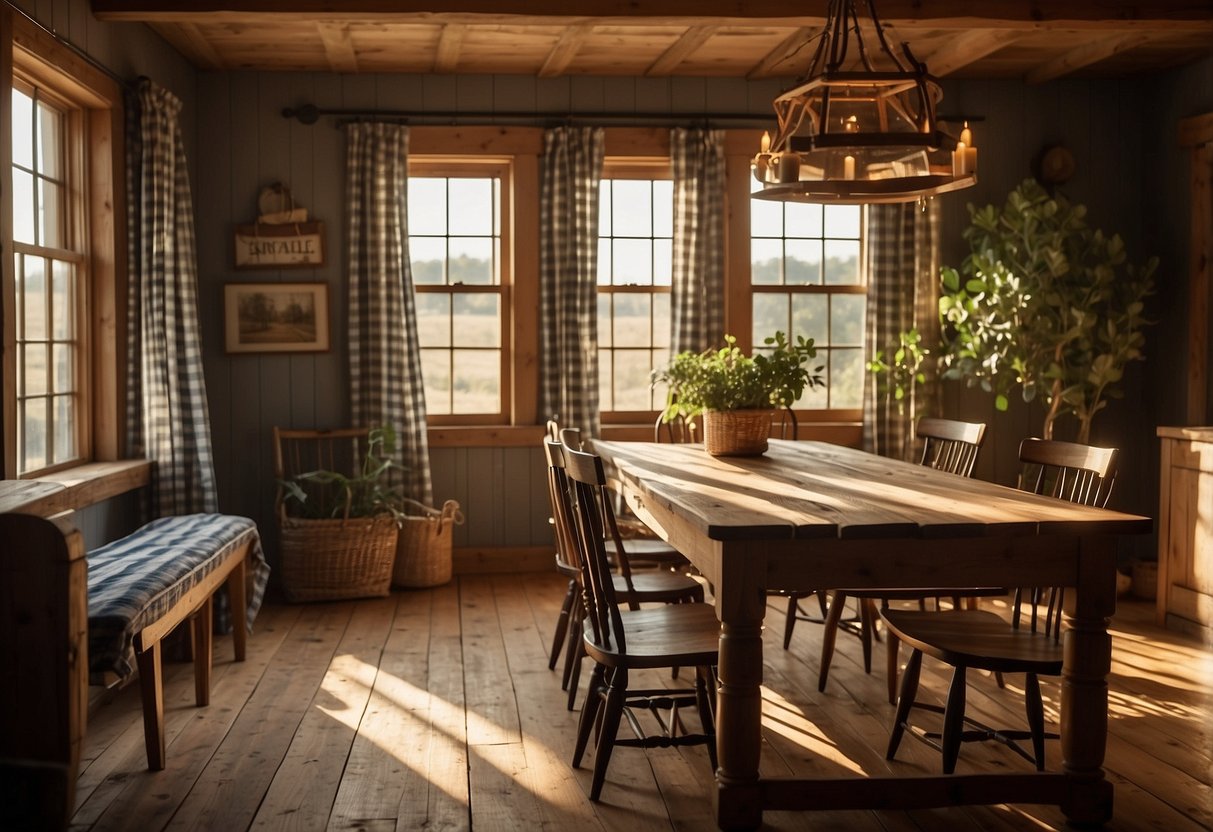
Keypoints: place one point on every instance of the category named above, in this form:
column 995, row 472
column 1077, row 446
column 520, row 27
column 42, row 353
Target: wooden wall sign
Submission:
column 289, row 245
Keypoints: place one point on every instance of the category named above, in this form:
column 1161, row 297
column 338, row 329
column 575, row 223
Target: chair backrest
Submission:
column 785, row 425
column 1067, row 470
column 592, row 514
column 567, row 559
column 1072, row 472
column 570, row 438
column 299, row 451
column 949, row 445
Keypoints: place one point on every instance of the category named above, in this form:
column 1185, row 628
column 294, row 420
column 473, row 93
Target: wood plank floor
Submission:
column 435, row 710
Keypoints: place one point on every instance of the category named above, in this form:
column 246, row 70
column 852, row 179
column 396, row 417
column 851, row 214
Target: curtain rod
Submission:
column 310, row 114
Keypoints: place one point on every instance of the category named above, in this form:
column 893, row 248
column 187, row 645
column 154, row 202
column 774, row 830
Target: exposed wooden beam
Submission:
column 969, row 47
column 338, row 47
column 788, row 57
column 1085, row 55
column 188, row 39
column 940, row 13
column 681, row 49
column 565, row 50
column 450, row 44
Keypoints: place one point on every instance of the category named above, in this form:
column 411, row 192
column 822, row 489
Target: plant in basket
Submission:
column 737, row 393
column 339, row 528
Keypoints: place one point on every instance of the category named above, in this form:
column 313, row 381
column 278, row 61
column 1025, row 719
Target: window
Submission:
column 807, row 279
column 62, row 325
column 635, row 268
column 458, row 229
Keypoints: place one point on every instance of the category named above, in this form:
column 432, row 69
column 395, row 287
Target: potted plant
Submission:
column 339, row 528
column 737, row 393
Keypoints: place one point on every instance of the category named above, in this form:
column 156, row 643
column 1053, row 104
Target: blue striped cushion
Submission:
column 133, row 581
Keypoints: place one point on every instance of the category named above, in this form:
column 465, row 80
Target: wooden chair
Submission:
column 681, row 430
column 624, row 641
column 633, row 588
column 984, row 640
column 948, row 445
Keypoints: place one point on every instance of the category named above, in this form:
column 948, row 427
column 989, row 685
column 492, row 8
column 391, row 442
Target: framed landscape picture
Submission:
column 276, row 317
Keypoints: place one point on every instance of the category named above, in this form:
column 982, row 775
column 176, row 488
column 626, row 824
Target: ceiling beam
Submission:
column 681, row 49
column 450, row 44
column 790, row 57
column 1085, row 55
column 191, row 43
column 565, row 50
column 969, row 47
column 338, row 48
column 940, row 13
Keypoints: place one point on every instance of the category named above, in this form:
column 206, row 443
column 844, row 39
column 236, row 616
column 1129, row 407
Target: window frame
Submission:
column 32, row 56
column 653, row 168
column 488, row 166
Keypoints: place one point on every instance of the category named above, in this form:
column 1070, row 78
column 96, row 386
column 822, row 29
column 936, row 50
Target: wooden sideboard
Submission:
column 1185, row 530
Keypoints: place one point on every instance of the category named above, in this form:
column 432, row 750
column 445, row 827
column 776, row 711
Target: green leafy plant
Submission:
column 898, row 369
column 1046, row 304
column 325, row 494
column 727, row 379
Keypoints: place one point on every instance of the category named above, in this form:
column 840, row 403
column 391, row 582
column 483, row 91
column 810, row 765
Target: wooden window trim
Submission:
column 35, row 54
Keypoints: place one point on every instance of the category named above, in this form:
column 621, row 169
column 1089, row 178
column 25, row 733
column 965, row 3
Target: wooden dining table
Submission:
column 812, row 515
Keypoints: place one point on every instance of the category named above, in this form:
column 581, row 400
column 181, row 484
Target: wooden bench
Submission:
column 78, row 618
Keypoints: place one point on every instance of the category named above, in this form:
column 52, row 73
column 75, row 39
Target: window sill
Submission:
column 74, row 488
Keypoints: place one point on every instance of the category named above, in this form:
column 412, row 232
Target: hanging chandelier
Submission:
column 860, row 126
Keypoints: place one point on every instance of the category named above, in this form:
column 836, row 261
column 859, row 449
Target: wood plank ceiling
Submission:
column 1036, row 40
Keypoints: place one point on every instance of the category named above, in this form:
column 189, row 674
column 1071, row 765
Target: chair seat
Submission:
column 678, row 635
column 976, row 638
column 657, row 586
column 641, row 551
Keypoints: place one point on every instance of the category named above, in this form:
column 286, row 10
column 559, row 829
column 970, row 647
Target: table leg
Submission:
column 1084, row 687
column 739, row 726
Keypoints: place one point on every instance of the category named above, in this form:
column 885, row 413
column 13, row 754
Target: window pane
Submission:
column 23, row 135
column 632, row 324
column 802, row 262
column 477, row 376
column 477, row 320
column 842, row 221
column 661, row 319
column 471, row 261
column 427, row 258
column 663, row 208
column 809, row 318
column 846, row 320
column 663, row 262
column 633, row 262
column 65, row 432
column 604, row 261
column 632, row 373
column 435, row 367
column 33, row 424
column 51, row 215
column 817, row 398
column 36, row 301
column 63, row 301
column 433, row 319
column 842, row 262
column 766, row 217
column 50, row 134
column 770, row 315
column 846, row 373
column 427, row 205
column 471, row 206
column 604, row 320
column 766, row 257
column 23, row 207
column 632, row 209
column 64, row 375
column 803, row 219
column 35, row 378
column 606, row 372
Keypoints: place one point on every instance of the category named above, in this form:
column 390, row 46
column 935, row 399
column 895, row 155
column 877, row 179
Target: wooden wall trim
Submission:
column 1196, row 134
column 472, row 560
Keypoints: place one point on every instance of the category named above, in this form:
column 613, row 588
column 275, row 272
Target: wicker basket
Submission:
column 423, row 553
column 323, row 560
column 736, row 432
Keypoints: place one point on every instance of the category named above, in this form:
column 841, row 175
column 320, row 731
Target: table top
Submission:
column 819, row 490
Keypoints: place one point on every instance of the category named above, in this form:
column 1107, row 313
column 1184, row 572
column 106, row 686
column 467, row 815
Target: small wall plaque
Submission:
column 280, row 246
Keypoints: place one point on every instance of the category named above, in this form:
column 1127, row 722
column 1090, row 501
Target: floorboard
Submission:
column 434, row 709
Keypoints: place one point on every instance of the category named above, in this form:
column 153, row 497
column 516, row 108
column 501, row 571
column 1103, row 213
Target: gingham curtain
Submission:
column 386, row 385
column 568, row 275
column 697, row 294
column 167, row 419
column 903, row 293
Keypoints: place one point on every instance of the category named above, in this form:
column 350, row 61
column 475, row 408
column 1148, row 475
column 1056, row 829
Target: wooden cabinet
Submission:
column 1185, row 530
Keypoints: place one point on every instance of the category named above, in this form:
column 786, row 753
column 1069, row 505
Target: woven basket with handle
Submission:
column 323, row 560
column 423, row 553
column 736, row 432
